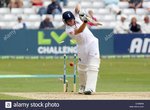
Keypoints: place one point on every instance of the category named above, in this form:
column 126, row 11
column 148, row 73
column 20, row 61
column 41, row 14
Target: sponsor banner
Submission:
column 55, row 43
column 36, row 42
column 132, row 44
column 47, row 42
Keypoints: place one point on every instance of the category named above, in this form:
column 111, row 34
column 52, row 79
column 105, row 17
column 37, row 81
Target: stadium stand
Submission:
column 29, row 11
column 16, row 10
column 4, row 11
column 123, row 5
column 104, row 15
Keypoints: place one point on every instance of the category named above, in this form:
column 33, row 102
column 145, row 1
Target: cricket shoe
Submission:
column 81, row 90
column 88, row 92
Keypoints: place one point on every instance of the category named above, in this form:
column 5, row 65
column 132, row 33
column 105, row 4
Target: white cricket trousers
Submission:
column 88, row 65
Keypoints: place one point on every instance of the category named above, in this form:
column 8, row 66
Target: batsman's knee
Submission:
column 93, row 64
column 82, row 67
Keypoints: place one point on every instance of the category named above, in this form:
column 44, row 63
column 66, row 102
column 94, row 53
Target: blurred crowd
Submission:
column 55, row 7
column 133, row 27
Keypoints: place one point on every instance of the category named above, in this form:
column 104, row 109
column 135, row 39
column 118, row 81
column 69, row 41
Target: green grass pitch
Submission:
column 116, row 75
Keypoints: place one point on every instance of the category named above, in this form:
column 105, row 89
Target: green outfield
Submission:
column 116, row 75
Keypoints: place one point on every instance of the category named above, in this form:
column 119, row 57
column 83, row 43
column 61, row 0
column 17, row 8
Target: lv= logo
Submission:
column 58, row 38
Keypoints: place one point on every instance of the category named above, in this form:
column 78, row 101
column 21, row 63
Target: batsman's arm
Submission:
column 93, row 21
column 97, row 23
column 81, row 28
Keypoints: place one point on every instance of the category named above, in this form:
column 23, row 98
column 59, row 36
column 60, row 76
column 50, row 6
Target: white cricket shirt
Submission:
column 83, row 38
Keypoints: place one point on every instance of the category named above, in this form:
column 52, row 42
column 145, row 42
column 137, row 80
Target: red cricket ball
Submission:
column 71, row 64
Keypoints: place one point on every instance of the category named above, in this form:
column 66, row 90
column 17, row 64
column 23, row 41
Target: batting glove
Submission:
column 83, row 17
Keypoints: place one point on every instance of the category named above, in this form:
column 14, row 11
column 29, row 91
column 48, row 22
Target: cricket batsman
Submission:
column 88, row 51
